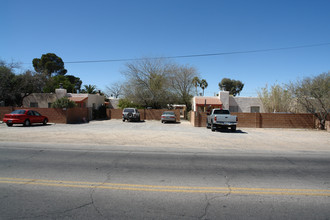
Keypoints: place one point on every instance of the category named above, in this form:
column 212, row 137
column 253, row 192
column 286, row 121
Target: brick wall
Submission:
column 269, row 120
column 248, row 120
column 77, row 115
column 54, row 115
column 263, row 120
column 5, row 110
column 145, row 114
column 198, row 119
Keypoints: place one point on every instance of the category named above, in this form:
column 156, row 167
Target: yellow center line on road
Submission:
column 160, row 188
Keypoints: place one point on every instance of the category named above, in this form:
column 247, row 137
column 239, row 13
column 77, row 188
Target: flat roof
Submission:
column 200, row 100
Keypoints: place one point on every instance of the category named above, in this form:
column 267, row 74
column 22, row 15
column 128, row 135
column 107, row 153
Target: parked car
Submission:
column 25, row 117
column 221, row 118
column 168, row 116
column 131, row 114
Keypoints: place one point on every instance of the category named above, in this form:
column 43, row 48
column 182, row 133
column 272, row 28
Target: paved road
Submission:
column 55, row 182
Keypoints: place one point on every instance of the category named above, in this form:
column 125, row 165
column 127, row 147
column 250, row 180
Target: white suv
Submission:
column 131, row 114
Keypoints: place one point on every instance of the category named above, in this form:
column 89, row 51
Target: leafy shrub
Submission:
column 64, row 102
column 126, row 103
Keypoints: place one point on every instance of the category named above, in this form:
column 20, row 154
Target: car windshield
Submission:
column 129, row 110
column 168, row 113
column 18, row 112
column 221, row 112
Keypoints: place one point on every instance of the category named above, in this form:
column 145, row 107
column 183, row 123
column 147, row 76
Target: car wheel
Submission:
column 9, row 124
column 27, row 123
column 45, row 121
column 233, row 128
column 213, row 128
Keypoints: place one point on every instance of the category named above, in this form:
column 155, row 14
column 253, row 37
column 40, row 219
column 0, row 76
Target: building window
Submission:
column 255, row 109
column 34, row 104
column 233, row 108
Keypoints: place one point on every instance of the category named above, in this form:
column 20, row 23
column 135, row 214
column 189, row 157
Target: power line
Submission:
column 201, row 55
column 205, row 55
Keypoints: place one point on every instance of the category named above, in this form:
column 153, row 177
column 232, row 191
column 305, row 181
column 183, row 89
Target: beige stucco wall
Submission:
column 44, row 98
column 96, row 99
column 41, row 98
column 224, row 98
column 245, row 103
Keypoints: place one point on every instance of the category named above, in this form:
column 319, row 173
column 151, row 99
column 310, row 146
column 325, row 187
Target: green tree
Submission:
column 49, row 64
column 69, row 82
column 233, row 86
column 27, row 83
column 196, row 82
column 7, row 84
column 126, row 103
column 313, row 94
column 75, row 81
column 64, row 102
column 90, row 89
column 13, row 88
column 276, row 99
column 203, row 85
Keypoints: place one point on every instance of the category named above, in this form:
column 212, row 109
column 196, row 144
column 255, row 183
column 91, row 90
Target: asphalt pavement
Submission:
column 148, row 170
column 52, row 181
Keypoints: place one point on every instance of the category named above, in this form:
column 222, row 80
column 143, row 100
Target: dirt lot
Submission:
column 179, row 135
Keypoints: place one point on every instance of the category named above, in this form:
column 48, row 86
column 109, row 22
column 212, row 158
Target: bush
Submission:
column 64, row 102
column 126, row 103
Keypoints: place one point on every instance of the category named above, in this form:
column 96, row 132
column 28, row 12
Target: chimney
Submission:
column 60, row 93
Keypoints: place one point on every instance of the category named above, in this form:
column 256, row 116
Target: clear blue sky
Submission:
column 78, row 30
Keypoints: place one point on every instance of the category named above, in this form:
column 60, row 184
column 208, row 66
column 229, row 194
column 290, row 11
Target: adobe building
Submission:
column 45, row 100
column 226, row 101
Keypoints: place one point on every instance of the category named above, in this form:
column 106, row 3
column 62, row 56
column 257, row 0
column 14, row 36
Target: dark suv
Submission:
column 131, row 114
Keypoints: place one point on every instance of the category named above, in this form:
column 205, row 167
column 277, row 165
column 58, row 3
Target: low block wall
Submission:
column 145, row 114
column 263, row 120
column 327, row 126
column 55, row 115
column 5, row 110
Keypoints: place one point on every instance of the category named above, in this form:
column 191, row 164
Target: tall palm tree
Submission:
column 203, row 84
column 196, row 82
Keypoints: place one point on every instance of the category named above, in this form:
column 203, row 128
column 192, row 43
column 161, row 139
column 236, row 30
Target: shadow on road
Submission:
column 141, row 121
column 223, row 130
column 172, row 122
column 32, row 125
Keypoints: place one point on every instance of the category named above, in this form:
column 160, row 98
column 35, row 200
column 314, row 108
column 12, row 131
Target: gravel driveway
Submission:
column 170, row 135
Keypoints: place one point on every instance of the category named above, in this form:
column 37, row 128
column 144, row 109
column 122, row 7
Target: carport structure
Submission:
column 202, row 103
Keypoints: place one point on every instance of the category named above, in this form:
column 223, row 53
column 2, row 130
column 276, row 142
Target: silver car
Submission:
column 168, row 116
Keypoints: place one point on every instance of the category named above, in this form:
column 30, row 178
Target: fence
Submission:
column 145, row 114
column 55, row 115
column 262, row 120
